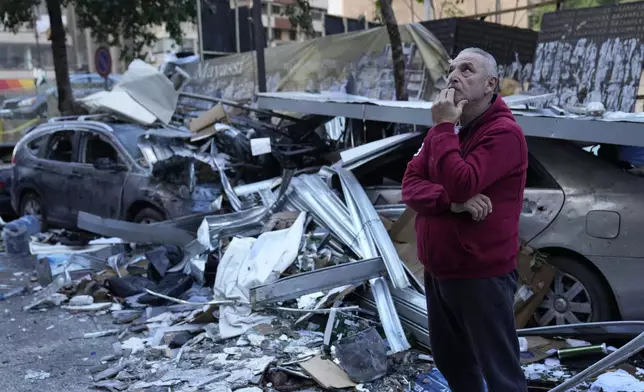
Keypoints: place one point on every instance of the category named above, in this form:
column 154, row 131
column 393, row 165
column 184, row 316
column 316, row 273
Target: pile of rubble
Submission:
column 260, row 298
column 303, row 281
column 255, row 297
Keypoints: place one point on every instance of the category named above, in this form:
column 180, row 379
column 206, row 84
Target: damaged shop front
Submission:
column 297, row 283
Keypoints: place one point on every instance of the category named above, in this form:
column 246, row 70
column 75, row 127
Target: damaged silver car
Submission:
column 82, row 164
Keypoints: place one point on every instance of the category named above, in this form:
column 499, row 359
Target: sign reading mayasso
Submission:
column 357, row 63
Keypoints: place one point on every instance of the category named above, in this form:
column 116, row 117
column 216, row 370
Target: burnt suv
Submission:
column 81, row 164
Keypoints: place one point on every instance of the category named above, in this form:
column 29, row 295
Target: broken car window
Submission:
column 129, row 135
column 61, row 146
column 34, row 145
column 537, row 176
column 98, row 150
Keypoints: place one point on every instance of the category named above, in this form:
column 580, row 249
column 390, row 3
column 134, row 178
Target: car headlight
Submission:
column 27, row 102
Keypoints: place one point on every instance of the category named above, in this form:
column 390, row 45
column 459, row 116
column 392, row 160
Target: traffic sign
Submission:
column 103, row 61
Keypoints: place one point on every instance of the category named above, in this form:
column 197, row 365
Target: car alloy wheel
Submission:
column 567, row 302
column 32, row 207
column 148, row 221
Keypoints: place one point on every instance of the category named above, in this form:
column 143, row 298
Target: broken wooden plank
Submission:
column 316, row 281
column 327, row 374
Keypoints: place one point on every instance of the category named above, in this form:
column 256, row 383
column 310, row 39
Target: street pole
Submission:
column 429, row 10
column 259, row 45
column 411, row 8
column 36, row 16
column 199, row 31
column 237, row 26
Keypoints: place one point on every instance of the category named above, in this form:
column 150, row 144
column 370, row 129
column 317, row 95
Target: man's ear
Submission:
column 492, row 85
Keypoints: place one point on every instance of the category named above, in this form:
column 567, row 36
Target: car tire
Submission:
column 149, row 215
column 30, row 202
column 577, row 290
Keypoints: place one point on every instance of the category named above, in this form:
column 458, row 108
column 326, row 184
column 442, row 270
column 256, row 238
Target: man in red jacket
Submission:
column 466, row 184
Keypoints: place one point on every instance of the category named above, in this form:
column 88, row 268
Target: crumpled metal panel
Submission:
column 372, row 225
column 358, row 156
column 233, row 199
column 255, row 187
column 318, row 280
column 411, row 308
column 310, row 193
column 155, row 152
column 215, row 226
column 388, row 316
column 391, row 211
column 133, row 232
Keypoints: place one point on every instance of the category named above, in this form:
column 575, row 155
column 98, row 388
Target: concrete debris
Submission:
column 88, row 308
column 110, row 372
column 135, row 344
column 81, row 300
column 101, row 333
column 111, row 385
column 36, row 375
column 550, row 370
column 126, row 316
column 617, row 381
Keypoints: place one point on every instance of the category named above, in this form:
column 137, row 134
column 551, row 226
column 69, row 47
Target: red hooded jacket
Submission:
column 488, row 156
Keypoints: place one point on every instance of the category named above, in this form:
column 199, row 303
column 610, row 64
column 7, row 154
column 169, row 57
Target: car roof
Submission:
column 126, row 133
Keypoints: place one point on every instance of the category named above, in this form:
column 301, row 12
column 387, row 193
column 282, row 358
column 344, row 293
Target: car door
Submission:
column 542, row 201
column 103, row 170
column 55, row 177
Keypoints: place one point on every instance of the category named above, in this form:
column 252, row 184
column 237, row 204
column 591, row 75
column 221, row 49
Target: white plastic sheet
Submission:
column 617, row 381
column 250, row 262
column 143, row 94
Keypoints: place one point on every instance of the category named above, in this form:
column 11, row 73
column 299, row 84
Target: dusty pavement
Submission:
column 34, row 344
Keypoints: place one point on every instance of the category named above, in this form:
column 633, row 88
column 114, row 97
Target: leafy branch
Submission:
column 299, row 14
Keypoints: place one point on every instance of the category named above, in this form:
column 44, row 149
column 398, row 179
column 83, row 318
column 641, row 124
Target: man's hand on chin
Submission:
column 445, row 109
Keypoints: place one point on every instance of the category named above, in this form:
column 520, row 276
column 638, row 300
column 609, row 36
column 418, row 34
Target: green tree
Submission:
column 299, row 14
column 123, row 23
column 397, row 57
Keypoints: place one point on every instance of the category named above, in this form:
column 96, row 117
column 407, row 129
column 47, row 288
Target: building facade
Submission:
column 409, row 11
column 277, row 27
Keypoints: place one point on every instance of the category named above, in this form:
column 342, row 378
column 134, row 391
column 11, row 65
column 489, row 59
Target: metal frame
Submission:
column 584, row 129
column 228, row 102
column 322, row 279
column 87, row 117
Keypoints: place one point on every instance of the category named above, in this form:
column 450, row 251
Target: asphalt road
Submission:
column 37, row 342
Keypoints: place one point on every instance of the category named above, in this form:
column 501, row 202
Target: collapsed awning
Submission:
column 143, row 95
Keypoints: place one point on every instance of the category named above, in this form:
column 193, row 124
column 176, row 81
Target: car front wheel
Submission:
column 31, row 205
column 148, row 215
column 577, row 295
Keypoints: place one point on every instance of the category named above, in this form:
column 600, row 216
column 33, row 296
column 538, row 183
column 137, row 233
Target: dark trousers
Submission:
column 472, row 333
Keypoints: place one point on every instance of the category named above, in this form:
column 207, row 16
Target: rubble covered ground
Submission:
column 44, row 350
column 244, row 302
